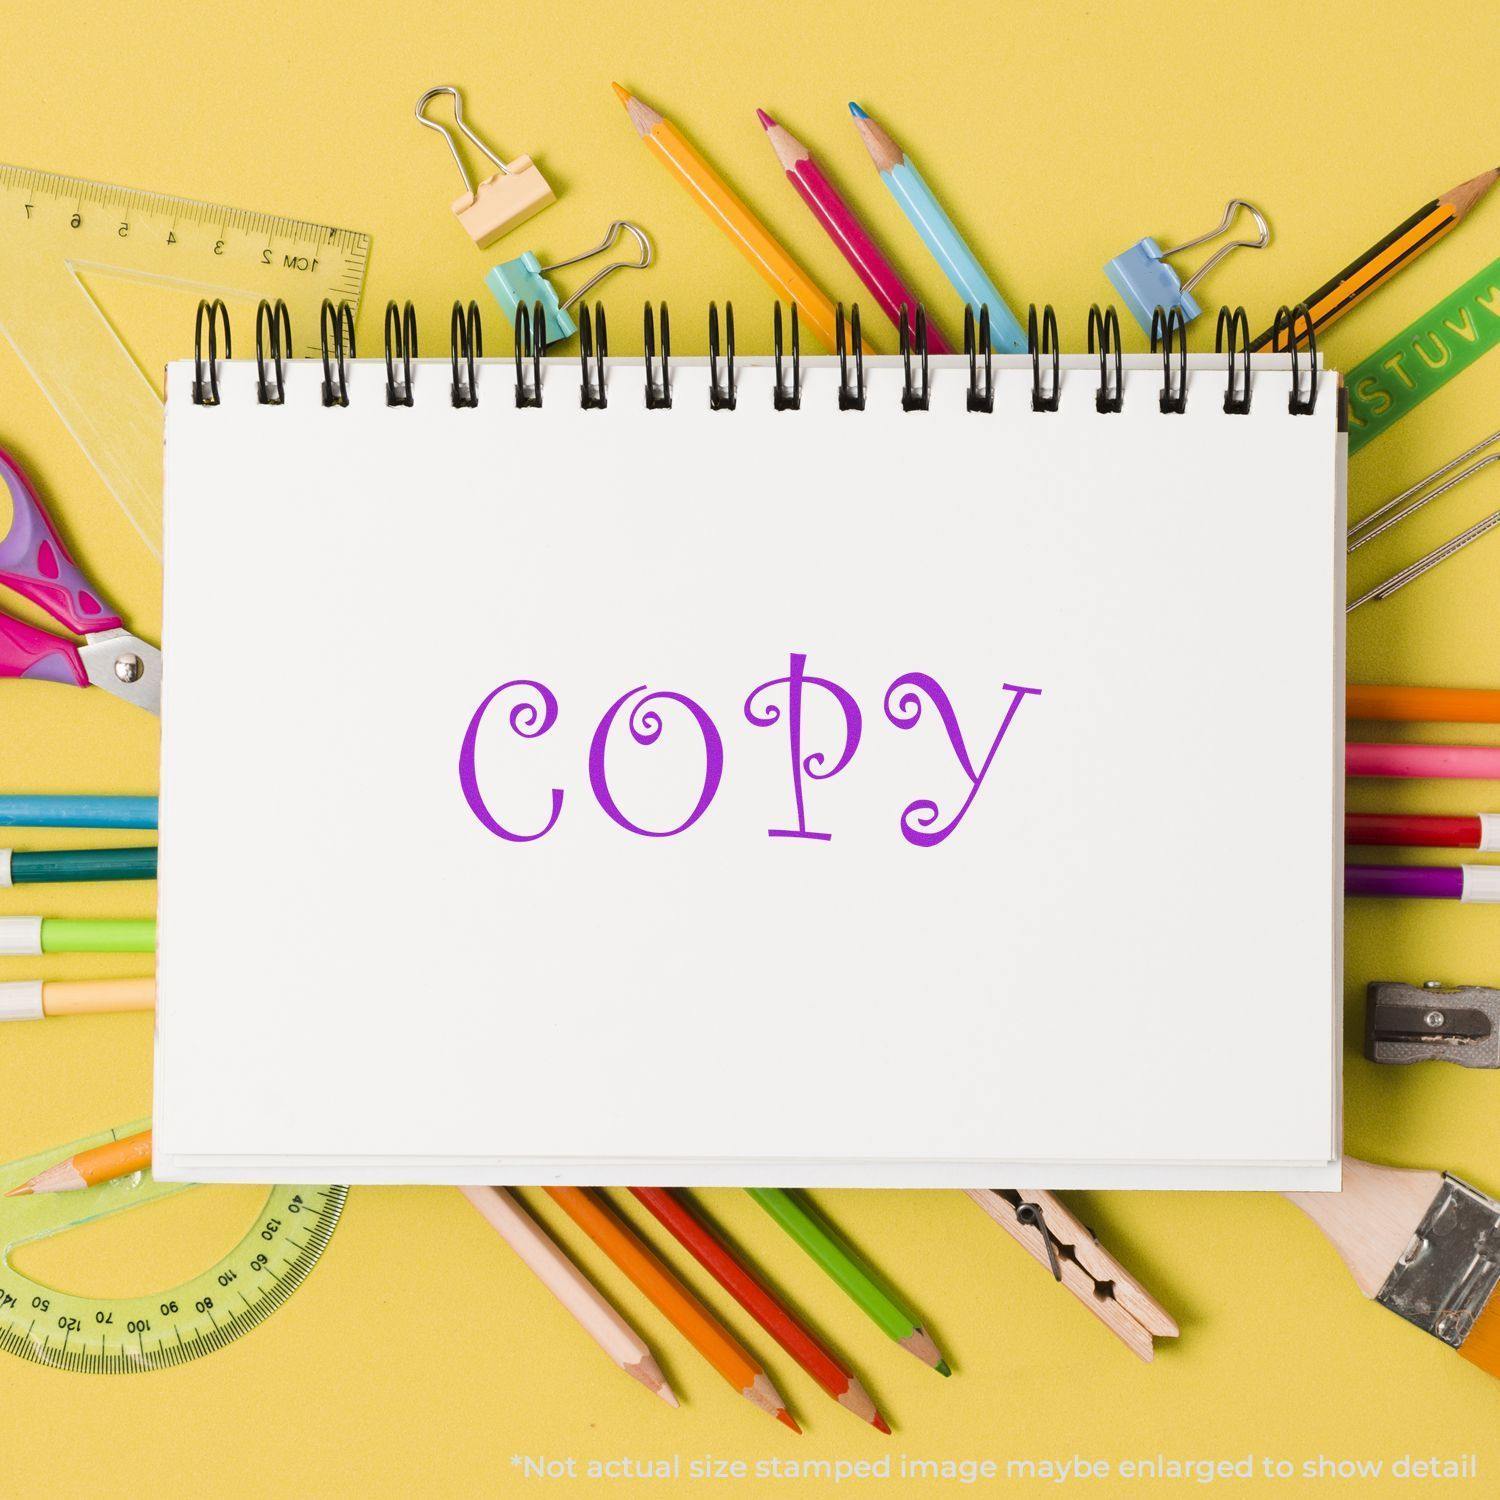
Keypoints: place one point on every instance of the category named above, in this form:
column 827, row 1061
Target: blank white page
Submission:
column 1100, row 948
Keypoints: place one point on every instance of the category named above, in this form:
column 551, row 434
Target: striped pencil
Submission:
column 1471, row 762
column 673, row 1300
column 761, row 1303
column 118, row 1158
column 1480, row 831
column 1422, row 704
column 541, row 1255
column 844, row 228
column 939, row 233
column 893, row 1317
column 34, row 999
column 1476, row 884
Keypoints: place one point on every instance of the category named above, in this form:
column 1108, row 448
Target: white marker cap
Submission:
column 21, row 1000
column 1489, row 833
column 20, row 937
column 5, row 881
column 1481, row 883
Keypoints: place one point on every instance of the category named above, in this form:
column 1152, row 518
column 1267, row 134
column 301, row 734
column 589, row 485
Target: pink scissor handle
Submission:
column 35, row 563
column 26, row 651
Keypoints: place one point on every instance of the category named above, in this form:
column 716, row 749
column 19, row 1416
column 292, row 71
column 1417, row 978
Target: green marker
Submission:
column 894, row 1319
column 1423, row 358
column 28, row 937
column 54, row 866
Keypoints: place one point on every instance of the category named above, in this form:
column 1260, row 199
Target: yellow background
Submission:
column 421, row 1356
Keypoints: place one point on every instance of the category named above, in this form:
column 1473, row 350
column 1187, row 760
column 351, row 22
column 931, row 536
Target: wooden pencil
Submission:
column 1422, row 1244
column 890, row 1314
column 673, row 1300
column 761, row 1303
column 730, row 212
column 542, row 1256
column 1384, row 259
column 844, row 228
column 117, row 1158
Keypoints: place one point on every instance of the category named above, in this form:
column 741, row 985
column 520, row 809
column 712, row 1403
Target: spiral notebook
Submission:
column 868, row 792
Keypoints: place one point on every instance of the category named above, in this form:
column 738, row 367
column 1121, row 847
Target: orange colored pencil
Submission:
column 673, row 1300
column 761, row 1303
column 1382, row 260
column 730, row 212
column 89, row 1168
column 1434, row 705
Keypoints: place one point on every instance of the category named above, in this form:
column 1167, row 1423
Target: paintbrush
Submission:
column 1422, row 1244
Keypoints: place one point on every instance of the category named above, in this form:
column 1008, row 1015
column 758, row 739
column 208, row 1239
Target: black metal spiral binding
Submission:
column 1232, row 337
column 978, row 400
column 333, row 324
column 1037, row 347
column 851, row 397
column 465, row 349
column 720, row 399
column 1298, row 404
column 530, row 343
column 913, row 399
column 593, row 341
column 658, row 397
column 273, row 328
column 400, row 344
column 1163, row 325
column 784, row 398
column 1104, row 335
column 206, row 372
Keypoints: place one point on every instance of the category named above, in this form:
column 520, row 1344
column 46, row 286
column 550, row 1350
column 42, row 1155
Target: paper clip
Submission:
column 505, row 198
column 1411, row 500
column 523, row 281
column 1144, row 279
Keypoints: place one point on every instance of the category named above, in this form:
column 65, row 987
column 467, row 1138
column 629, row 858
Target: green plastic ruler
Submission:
column 123, row 1335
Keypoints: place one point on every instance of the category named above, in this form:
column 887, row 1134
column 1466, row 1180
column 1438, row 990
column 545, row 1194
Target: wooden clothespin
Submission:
column 1042, row 1226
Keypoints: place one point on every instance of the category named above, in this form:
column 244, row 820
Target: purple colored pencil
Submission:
column 870, row 264
column 1473, row 883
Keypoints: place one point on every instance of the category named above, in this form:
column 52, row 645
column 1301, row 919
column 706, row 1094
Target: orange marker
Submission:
column 91, row 1167
column 673, row 1300
column 730, row 212
column 1423, row 704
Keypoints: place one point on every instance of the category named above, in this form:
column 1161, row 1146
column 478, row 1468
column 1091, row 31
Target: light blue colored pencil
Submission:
column 939, row 234
column 77, row 812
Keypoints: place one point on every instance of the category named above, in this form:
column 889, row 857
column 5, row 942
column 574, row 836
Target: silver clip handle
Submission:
column 1233, row 208
column 447, row 135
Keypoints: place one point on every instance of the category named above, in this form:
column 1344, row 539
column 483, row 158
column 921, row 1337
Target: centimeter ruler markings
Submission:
column 65, row 241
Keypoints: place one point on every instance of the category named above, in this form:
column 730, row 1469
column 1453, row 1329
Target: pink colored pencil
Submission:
column 853, row 239
column 1474, row 762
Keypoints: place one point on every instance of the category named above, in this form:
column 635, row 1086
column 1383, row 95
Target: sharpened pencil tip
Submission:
column 857, row 112
column 668, row 1395
column 19, row 1192
column 881, row 1425
column 942, row 1367
column 621, row 92
column 765, row 120
column 788, row 1420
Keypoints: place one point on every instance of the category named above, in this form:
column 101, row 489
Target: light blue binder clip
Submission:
column 524, row 280
column 1144, row 279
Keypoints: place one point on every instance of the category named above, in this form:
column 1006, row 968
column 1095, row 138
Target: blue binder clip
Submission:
column 1144, row 279
column 524, row 280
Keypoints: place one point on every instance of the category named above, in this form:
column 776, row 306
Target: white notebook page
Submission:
column 1109, row 956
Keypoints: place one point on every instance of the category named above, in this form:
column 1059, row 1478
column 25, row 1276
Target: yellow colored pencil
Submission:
column 730, row 212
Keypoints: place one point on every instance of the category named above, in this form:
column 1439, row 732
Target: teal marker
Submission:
column 939, row 234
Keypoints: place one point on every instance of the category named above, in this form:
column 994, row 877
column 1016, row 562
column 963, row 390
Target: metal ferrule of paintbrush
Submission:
column 1426, row 1245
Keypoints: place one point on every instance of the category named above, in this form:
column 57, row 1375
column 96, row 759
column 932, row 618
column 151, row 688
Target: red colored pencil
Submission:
column 761, row 1303
column 1422, row 831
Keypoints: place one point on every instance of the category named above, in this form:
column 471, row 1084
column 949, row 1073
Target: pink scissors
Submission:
column 35, row 564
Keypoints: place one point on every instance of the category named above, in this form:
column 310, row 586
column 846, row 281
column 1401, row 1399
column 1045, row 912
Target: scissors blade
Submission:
column 124, row 665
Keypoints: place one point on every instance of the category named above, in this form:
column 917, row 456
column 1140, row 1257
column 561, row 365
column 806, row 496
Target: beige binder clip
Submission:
column 1043, row 1227
column 505, row 198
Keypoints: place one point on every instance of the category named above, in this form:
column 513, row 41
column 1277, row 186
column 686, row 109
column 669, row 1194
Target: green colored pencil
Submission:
column 895, row 1319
